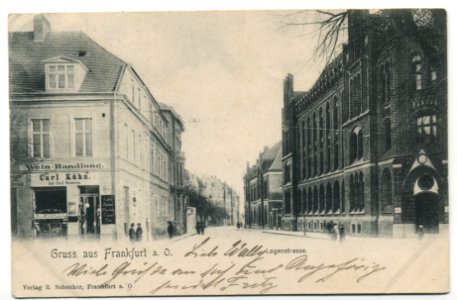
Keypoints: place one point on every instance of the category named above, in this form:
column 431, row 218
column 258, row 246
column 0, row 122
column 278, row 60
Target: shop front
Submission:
column 71, row 203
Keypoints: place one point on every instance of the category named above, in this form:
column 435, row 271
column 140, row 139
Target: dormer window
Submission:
column 64, row 74
column 60, row 76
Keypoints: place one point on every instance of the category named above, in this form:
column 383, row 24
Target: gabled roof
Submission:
column 270, row 154
column 27, row 59
column 277, row 163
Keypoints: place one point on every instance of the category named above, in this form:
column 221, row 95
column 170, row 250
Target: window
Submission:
column 360, row 145
column 321, row 199
column 433, row 75
column 417, row 71
column 426, row 125
column 382, row 76
column 315, row 144
column 328, row 199
column 60, row 76
column 315, row 200
column 336, row 197
column 343, row 198
column 361, row 191
column 351, row 194
column 356, row 145
column 321, row 141
column 387, row 82
column 386, row 191
column 83, row 137
column 387, row 134
column 303, row 202
column 40, row 138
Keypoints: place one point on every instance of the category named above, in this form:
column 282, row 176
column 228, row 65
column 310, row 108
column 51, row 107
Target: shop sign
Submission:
column 108, row 209
column 64, row 166
column 54, row 179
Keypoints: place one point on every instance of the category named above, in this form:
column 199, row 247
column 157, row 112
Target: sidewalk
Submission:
column 314, row 235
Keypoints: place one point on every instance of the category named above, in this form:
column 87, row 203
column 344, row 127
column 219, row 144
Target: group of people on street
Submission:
column 239, row 225
column 200, row 227
column 336, row 231
column 135, row 235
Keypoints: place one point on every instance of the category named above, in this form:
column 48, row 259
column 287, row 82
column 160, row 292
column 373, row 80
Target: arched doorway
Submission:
column 427, row 212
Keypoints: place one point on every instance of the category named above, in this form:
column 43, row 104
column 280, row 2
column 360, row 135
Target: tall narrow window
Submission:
column 387, row 134
column 336, row 197
column 417, row 71
column 382, row 81
column 361, row 191
column 351, row 194
column 40, row 138
column 360, row 145
column 386, row 191
column 352, row 102
column 328, row 130
column 335, row 134
column 328, row 199
column 315, row 143
column 353, row 146
column 315, row 200
column 321, row 141
column 321, row 199
column 387, row 80
column 83, row 137
column 309, row 156
column 343, row 197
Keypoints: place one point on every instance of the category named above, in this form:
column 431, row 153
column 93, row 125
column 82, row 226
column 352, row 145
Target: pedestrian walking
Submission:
column 420, row 232
column 139, row 232
column 132, row 233
column 336, row 232
column 170, row 230
column 197, row 227
column 341, row 231
column 202, row 227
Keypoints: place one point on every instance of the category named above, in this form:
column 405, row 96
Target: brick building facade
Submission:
column 262, row 189
column 366, row 146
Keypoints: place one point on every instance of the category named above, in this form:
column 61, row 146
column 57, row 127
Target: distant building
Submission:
column 176, row 165
column 222, row 195
column 262, row 187
column 366, row 146
column 92, row 150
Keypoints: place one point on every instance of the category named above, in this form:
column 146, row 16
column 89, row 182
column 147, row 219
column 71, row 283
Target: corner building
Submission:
column 366, row 146
column 91, row 148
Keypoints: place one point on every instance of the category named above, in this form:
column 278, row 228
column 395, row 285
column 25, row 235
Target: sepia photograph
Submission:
column 244, row 152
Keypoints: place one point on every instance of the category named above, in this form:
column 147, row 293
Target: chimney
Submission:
column 41, row 28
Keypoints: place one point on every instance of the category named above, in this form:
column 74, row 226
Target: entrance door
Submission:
column 90, row 214
column 427, row 212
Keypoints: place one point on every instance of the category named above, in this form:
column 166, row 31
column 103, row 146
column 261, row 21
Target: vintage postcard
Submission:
column 288, row 152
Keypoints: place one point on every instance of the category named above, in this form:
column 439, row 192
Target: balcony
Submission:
column 426, row 98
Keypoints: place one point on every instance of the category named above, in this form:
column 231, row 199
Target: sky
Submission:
column 221, row 71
